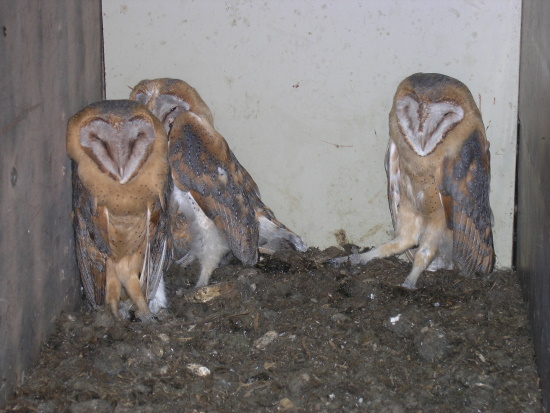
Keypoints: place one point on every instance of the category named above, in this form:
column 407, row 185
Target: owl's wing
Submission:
column 92, row 249
column 393, row 175
column 203, row 165
column 158, row 251
column 465, row 197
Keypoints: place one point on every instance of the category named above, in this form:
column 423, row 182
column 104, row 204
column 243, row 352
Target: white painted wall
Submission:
column 301, row 90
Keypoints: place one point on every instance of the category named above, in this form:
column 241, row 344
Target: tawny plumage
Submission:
column 438, row 170
column 215, row 204
column 120, row 216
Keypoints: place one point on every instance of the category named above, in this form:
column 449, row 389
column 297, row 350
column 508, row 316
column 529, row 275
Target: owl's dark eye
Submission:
column 171, row 119
column 95, row 138
column 132, row 145
column 172, row 110
column 167, row 117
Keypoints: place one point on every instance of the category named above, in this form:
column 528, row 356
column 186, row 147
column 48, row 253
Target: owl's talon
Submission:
column 409, row 285
column 352, row 260
column 146, row 317
column 123, row 311
column 335, row 262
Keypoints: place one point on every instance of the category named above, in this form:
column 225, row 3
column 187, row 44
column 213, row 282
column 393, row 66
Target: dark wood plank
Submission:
column 51, row 66
column 533, row 220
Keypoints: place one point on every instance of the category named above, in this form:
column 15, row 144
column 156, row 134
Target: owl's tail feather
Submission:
column 275, row 236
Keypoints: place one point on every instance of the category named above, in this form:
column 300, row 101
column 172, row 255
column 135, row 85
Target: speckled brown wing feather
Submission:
column 92, row 250
column 203, row 165
column 158, row 253
column 465, row 179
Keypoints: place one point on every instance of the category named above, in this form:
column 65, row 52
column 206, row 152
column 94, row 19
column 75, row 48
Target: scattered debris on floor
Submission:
column 294, row 335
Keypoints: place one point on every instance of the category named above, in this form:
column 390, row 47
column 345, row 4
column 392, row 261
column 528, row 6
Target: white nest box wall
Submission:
column 301, row 90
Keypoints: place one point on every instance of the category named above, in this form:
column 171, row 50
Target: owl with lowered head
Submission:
column 215, row 205
column 438, row 171
column 120, row 216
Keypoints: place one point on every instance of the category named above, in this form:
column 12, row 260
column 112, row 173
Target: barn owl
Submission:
column 120, row 214
column 438, row 171
column 215, row 204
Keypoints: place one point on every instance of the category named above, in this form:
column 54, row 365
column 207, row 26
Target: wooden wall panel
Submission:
column 50, row 67
column 533, row 248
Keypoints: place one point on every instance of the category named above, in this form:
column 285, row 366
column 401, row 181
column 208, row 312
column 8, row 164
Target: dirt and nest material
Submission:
column 293, row 335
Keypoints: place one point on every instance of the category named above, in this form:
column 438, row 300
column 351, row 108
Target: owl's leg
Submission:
column 209, row 248
column 428, row 249
column 113, row 287
column 207, row 268
column 422, row 259
column 133, row 288
column 128, row 273
column 396, row 246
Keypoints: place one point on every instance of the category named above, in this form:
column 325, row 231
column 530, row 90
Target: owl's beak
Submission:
column 123, row 179
column 423, row 141
column 121, row 162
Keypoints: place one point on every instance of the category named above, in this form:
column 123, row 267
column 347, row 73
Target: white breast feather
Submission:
column 206, row 239
column 222, row 175
column 395, row 176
